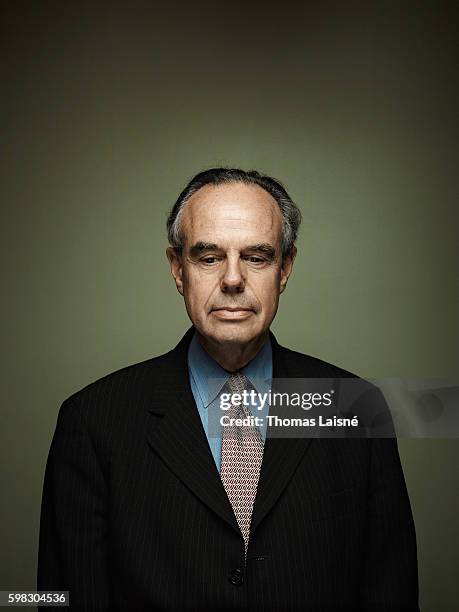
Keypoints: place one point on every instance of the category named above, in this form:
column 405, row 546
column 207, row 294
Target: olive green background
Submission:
column 108, row 109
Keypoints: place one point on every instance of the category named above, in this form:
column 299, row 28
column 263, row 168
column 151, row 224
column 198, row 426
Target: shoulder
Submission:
column 353, row 393
column 305, row 365
column 124, row 390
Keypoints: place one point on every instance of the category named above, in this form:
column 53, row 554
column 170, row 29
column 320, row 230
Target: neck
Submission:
column 233, row 357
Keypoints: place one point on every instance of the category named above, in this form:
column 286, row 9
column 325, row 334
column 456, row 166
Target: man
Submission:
column 145, row 508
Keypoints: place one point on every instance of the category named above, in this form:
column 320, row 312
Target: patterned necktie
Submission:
column 242, row 454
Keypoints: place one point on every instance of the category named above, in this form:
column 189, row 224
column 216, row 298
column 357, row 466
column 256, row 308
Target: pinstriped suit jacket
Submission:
column 134, row 515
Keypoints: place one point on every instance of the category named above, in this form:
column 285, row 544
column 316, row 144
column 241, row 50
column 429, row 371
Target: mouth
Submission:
column 233, row 308
column 232, row 313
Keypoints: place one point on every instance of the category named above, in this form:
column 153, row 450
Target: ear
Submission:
column 286, row 269
column 175, row 260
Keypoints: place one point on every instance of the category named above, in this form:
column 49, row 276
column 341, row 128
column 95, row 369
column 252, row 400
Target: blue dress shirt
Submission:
column 203, row 372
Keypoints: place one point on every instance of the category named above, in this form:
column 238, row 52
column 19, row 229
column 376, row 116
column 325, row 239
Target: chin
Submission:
column 233, row 333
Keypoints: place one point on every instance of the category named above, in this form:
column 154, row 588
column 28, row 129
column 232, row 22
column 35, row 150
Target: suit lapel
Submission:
column 175, row 433
column 281, row 455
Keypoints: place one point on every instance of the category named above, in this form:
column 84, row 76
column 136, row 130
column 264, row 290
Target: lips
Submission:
column 233, row 309
column 232, row 313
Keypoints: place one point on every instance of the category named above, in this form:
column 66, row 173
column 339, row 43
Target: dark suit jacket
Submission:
column 134, row 515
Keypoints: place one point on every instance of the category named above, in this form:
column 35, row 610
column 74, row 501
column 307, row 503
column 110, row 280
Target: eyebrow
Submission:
column 200, row 247
column 263, row 247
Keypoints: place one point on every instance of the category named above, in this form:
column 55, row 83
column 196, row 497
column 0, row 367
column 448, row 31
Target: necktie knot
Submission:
column 237, row 382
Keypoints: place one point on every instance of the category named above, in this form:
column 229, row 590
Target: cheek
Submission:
column 197, row 287
column 267, row 290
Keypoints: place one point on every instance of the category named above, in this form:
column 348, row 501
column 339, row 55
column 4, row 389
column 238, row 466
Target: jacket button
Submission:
column 236, row 577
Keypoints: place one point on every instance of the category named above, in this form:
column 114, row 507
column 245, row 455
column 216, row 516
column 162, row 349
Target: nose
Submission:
column 233, row 280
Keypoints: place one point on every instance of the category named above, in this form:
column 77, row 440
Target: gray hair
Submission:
column 291, row 214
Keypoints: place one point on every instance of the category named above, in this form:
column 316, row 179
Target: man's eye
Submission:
column 254, row 259
column 209, row 260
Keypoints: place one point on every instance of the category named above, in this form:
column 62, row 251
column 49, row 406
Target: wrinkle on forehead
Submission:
column 216, row 210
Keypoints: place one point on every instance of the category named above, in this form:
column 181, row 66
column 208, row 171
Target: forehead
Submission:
column 231, row 213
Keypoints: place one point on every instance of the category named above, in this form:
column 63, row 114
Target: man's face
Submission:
column 231, row 270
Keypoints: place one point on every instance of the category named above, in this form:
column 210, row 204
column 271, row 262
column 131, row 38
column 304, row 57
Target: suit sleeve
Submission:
column 390, row 567
column 73, row 523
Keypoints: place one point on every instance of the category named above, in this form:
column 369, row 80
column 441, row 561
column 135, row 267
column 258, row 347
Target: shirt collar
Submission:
column 203, row 367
